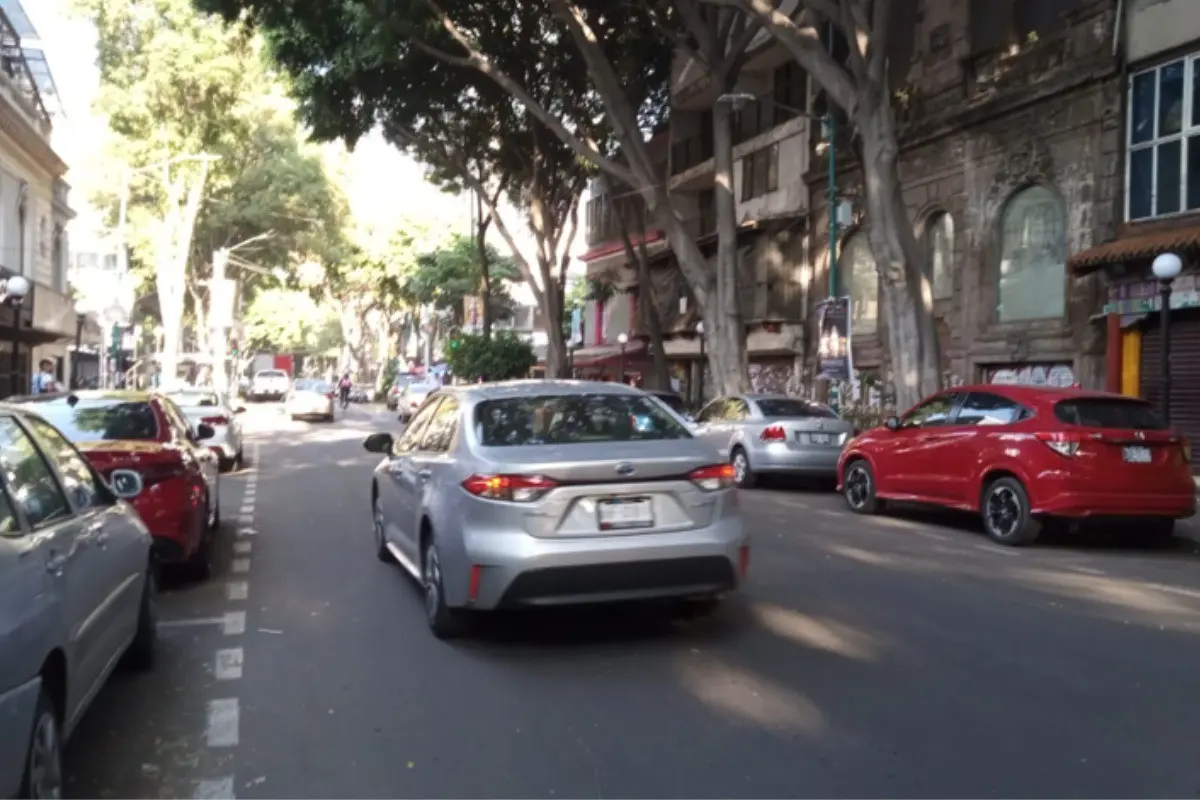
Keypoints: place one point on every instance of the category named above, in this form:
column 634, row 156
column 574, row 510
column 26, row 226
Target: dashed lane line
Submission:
column 237, row 590
column 219, row 789
column 234, row 623
column 224, row 721
column 229, row 664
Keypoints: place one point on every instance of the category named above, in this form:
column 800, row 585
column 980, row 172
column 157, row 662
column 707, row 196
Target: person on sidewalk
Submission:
column 44, row 381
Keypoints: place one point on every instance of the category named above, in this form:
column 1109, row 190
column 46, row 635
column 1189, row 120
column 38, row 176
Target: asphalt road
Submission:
column 894, row 656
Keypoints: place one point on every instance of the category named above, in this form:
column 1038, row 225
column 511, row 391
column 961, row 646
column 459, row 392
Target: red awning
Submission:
column 607, row 355
column 1136, row 248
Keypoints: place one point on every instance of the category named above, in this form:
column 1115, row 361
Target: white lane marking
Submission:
column 229, row 664
column 237, row 590
column 235, row 623
column 242, row 548
column 245, row 519
column 240, row 566
column 248, row 509
column 220, row 789
column 223, row 719
column 999, row 551
column 247, row 531
column 190, row 623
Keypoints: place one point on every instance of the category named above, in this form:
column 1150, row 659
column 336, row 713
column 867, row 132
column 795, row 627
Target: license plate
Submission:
column 821, row 438
column 624, row 513
column 1137, row 455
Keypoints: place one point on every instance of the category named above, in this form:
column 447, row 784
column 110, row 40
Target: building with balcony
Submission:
column 1008, row 116
column 34, row 212
column 1156, row 210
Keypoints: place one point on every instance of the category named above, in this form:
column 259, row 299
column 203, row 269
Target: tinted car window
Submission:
column 77, row 477
column 787, row 407
column 195, row 399
column 574, row 419
column 320, row 387
column 92, row 420
column 33, row 484
column 934, row 411
column 412, row 431
column 1106, row 412
column 712, row 412
column 178, row 422
column 442, row 427
column 738, row 410
column 984, row 408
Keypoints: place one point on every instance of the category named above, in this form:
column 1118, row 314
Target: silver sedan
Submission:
column 540, row 493
column 77, row 592
column 774, row 434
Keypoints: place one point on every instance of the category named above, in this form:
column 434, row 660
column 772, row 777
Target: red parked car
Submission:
column 1025, row 457
column 148, row 433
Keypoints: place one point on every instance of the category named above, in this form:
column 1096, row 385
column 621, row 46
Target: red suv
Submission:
column 1024, row 457
column 149, row 434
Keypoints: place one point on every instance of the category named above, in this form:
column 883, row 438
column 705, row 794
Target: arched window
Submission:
column 939, row 254
column 857, row 269
column 1033, row 254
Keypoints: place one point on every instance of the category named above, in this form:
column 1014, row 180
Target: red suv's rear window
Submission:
column 1108, row 412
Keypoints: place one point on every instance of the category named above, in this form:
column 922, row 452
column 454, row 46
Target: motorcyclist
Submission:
column 344, row 386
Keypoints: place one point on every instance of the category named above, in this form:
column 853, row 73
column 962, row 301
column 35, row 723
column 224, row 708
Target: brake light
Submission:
column 775, row 433
column 222, row 420
column 714, row 478
column 1061, row 443
column 509, row 488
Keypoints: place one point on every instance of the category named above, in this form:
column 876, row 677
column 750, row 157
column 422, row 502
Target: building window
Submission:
column 789, row 91
column 857, row 269
column 1033, row 254
column 760, row 172
column 939, row 254
column 1163, row 168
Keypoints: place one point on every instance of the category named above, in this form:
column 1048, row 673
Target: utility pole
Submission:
column 220, row 341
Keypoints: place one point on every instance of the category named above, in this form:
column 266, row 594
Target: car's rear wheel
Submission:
column 143, row 651
column 858, row 487
column 1158, row 532
column 213, row 519
column 381, row 549
column 43, row 775
column 1005, row 512
column 444, row 621
column 743, row 475
column 200, row 565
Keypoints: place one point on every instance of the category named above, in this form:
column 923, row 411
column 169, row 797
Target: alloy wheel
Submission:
column 45, row 759
column 1003, row 512
column 433, row 583
column 739, row 467
column 858, row 486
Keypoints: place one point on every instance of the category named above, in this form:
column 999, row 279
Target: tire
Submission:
column 43, row 775
column 697, row 607
column 200, row 565
column 445, row 622
column 1004, row 508
column 214, row 524
column 381, row 549
column 743, row 476
column 143, row 651
column 858, row 488
column 1158, row 532
column 239, row 460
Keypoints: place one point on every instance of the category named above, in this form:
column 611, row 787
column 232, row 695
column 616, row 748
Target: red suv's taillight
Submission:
column 509, row 488
column 222, row 420
column 1062, row 443
column 775, row 433
column 714, row 478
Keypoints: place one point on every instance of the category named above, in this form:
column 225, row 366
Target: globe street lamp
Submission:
column 15, row 289
column 623, row 339
column 700, row 388
column 1166, row 268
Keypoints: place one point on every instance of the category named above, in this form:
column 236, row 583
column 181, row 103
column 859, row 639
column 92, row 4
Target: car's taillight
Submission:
column 222, row 420
column 775, row 433
column 509, row 488
column 1062, row 443
column 714, row 478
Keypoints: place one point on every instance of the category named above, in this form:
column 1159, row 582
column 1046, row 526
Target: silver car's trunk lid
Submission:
column 603, row 462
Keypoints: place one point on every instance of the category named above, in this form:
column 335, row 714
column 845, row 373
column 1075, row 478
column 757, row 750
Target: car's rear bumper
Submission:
column 516, row 569
column 224, row 445
column 1084, row 503
column 174, row 524
column 783, row 458
column 310, row 411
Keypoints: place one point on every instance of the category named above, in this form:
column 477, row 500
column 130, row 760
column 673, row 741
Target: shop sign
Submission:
column 1142, row 297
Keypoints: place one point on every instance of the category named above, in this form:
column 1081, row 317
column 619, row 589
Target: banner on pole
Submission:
column 834, row 359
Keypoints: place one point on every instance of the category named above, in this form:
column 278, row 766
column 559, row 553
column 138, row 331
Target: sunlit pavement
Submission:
column 892, row 656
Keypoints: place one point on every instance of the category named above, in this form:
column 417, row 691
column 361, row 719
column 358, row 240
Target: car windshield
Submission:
column 320, row 387
column 92, row 420
column 1106, row 412
column 574, row 419
column 788, row 407
column 672, row 401
column 272, row 373
column 195, row 399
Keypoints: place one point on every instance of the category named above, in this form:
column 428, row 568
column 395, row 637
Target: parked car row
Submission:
column 98, row 491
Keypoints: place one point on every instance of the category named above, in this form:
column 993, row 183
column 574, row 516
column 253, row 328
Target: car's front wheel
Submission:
column 43, row 775
column 1006, row 514
column 858, row 487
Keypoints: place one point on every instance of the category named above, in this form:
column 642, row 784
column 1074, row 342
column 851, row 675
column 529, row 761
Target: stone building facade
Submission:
column 1010, row 120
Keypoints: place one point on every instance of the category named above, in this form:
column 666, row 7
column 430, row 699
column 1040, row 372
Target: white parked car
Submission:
column 270, row 384
column 311, row 398
column 203, row 406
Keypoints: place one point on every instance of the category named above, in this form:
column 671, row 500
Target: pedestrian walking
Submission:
column 44, row 381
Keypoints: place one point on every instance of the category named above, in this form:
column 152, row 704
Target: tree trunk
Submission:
column 724, row 331
column 556, row 341
column 907, row 294
column 660, row 374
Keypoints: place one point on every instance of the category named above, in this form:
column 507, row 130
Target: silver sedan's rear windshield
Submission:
column 787, row 407
column 574, row 419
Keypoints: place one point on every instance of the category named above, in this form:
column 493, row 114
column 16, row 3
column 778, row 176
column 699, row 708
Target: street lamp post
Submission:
column 80, row 321
column 623, row 339
column 15, row 289
column 700, row 386
column 1166, row 268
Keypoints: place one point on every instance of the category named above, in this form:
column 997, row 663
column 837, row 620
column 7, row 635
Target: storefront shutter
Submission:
column 1185, row 370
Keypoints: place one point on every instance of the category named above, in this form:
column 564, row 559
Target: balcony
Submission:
column 17, row 84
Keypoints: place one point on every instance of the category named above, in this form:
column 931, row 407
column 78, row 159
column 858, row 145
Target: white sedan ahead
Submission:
column 207, row 407
column 310, row 398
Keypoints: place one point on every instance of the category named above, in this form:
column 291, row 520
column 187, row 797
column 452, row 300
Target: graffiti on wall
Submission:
column 1061, row 375
column 772, row 377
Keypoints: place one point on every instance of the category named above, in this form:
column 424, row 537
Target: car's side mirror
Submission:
column 126, row 484
column 381, row 443
column 204, row 432
column 892, row 423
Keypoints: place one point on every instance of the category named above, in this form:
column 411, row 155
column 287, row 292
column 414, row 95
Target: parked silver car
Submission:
column 537, row 493
column 774, row 434
column 413, row 395
column 77, row 592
